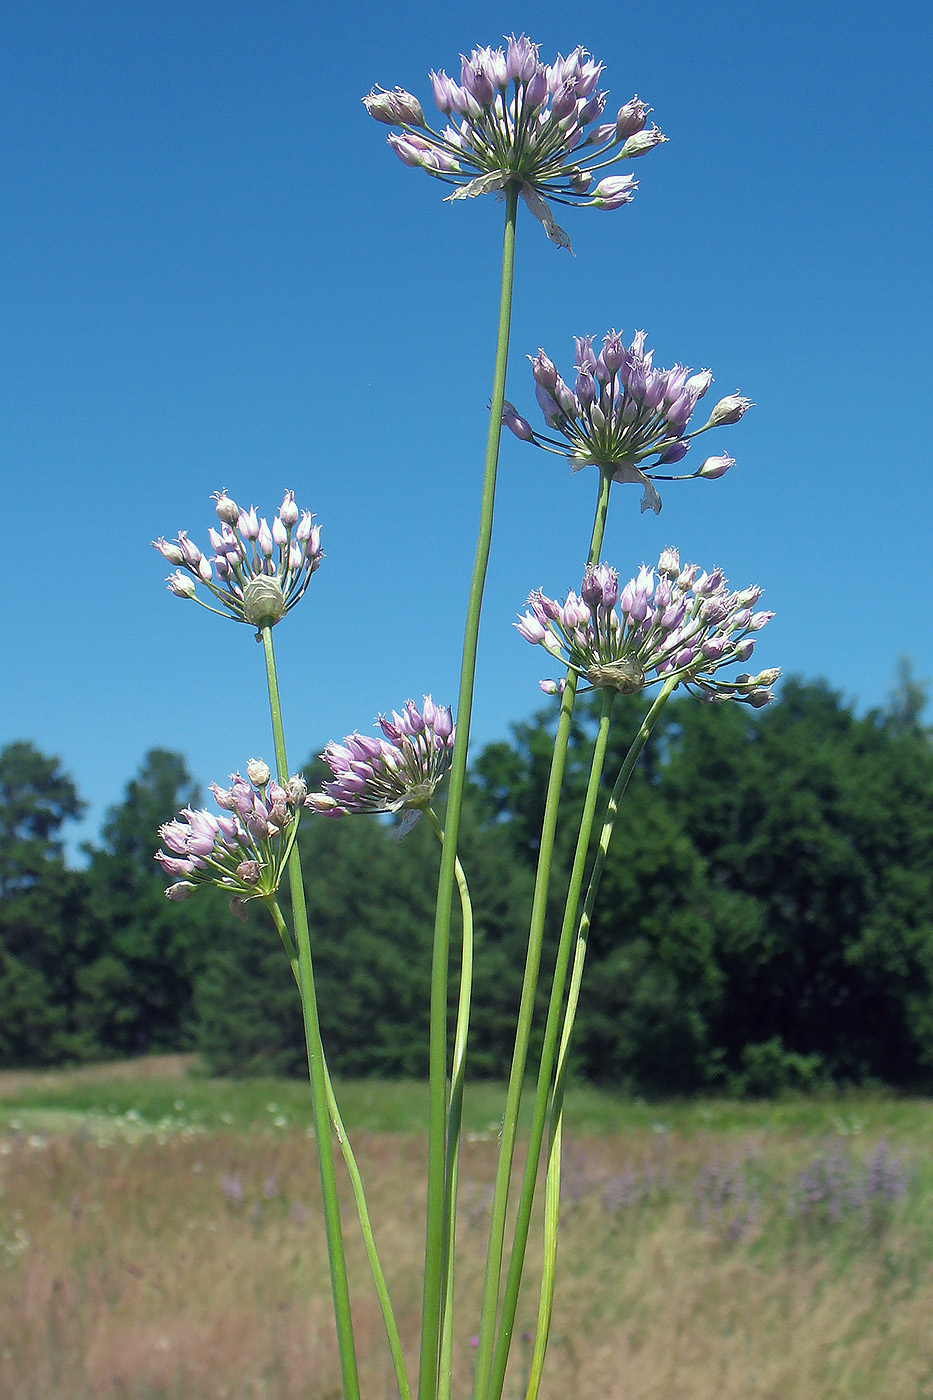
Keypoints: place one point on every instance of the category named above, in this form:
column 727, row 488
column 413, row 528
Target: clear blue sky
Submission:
column 215, row 273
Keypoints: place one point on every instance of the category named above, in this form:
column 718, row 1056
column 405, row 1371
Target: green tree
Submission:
column 822, row 822
column 142, row 954
column 41, row 904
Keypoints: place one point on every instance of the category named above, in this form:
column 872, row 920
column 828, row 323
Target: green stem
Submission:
column 549, row 1051
column 369, row 1240
column 316, row 1067
column 549, row 1267
column 454, row 1121
column 437, row 1122
column 555, row 1127
column 526, row 1005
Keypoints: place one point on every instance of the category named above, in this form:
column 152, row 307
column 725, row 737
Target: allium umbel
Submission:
column 395, row 772
column 624, row 414
column 243, row 850
column 257, row 572
column 682, row 624
column 515, row 120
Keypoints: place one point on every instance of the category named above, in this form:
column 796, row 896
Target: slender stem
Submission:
column 369, row 1240
column 316, row 1068
column 454, row 1121
column 388, row 1316
column 555, row 1126
column 549, row 1051
column 526, row 1005
column 437, row 1123
column 549, row 1267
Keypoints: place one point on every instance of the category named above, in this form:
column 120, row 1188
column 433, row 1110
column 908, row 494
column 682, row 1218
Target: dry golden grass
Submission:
column 192, row 1267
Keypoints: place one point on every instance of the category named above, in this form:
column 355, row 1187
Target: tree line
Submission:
column 765, row 918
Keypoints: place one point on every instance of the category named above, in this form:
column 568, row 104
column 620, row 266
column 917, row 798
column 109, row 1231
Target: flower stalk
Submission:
column 548, row 1054
column 437, row 1127
column 496, row 1243
column 316, row 1064
column 555, row 1116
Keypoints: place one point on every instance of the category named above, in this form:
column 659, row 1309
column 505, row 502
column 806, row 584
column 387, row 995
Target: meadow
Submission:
column 160, row 1239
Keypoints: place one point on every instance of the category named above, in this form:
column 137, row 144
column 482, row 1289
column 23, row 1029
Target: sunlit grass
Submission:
column 160, row 1239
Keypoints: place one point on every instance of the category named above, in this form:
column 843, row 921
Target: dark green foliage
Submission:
column 142, row 953
column 825, row 822
column 371, row 910
column 40, row 905
column 36, row 799
column 765, row 919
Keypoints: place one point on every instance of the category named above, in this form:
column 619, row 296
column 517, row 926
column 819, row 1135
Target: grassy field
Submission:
column 160, row 1239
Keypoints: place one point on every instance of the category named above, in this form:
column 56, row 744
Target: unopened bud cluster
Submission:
column 256, row 572
column 671, row 622
column 624, row 414
column 243, row 849
column 514, row 119
column 396, row 771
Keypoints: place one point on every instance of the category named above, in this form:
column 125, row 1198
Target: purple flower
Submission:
column 623, row 414
column 244, row 849
column 256, row 572
column 668, row 622
column 395, row 772
column 513, row 120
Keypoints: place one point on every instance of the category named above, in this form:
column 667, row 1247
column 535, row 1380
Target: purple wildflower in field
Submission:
column 513, row 120
column 256, row 572
column 682, row 624
column 624, row 414
column 395, row 772
column 242, row 850
column 832, row 1189
column 231, row 1186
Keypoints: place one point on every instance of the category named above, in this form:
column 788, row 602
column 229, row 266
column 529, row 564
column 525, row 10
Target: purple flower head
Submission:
column 245, row 848
column 257, row 572
column 396, row 772
column 523, row 123
column 624, row 415
column 665, row 623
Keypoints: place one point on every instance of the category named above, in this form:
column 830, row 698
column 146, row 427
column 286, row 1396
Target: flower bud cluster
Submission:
column 396, row 771
column 669, row 622
column 257, row 572
column 624, row 414
column 513, row 119
column 243, row 849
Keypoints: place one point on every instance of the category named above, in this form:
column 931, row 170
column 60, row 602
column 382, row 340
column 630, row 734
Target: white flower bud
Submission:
column 258, row 772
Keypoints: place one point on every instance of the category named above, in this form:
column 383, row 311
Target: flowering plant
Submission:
column 523, row 123
column 622, row 413
column 531, row 131
column 685, row 628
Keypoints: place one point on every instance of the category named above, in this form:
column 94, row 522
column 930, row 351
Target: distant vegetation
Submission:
column 161, row 1239
column 765, row 920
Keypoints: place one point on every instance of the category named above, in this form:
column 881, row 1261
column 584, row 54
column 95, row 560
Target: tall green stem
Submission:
column 454, row 1121
column 549, row 1051
column 356, row 1180
column 437, row 1123
column 526, row 1005
column 316, row 1066
column 576, row 977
